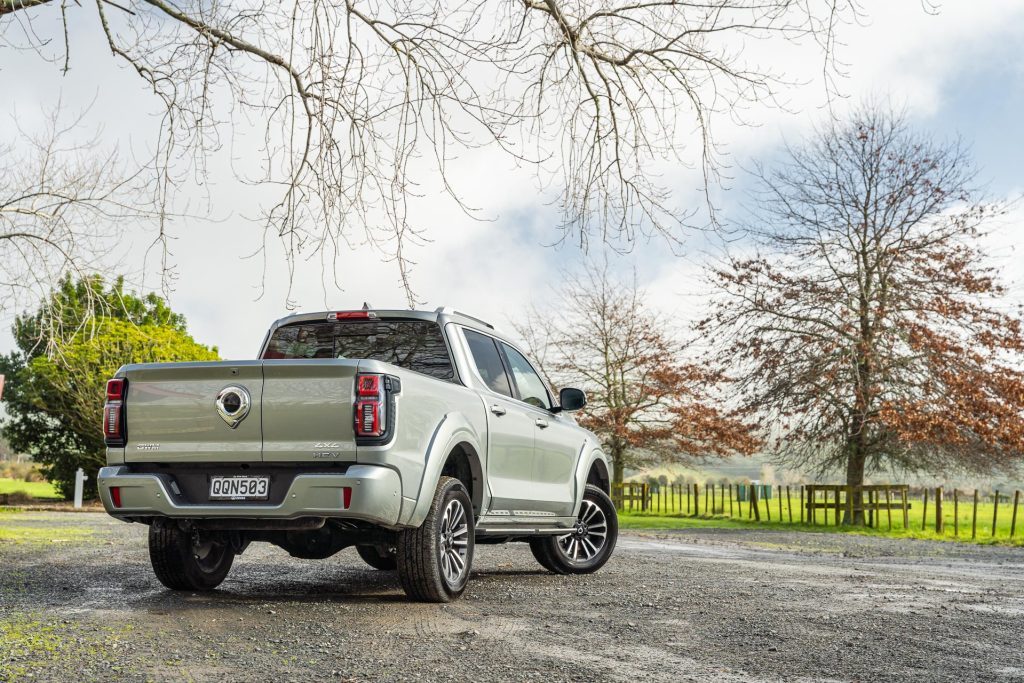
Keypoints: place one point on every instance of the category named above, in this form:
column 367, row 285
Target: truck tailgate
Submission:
column 171, row 414
column 307, row 410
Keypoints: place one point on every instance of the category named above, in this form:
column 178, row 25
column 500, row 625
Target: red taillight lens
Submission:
column 369, row 385
column 112, row 420
column 352, row 315
column 115, row 389
column 368, row 419
column 115, row 496
column 346, row 496
column 113, row 413
column 370, row 414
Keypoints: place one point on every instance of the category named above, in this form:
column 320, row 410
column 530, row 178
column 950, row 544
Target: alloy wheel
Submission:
column 588, row 536
column 454, row 543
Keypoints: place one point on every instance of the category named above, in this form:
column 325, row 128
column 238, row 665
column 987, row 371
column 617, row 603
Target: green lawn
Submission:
column 34, row 489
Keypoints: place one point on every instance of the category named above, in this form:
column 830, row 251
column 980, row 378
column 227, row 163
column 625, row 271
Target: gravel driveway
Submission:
column 78, row 602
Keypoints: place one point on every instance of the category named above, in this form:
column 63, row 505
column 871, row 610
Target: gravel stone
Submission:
column 695, row 605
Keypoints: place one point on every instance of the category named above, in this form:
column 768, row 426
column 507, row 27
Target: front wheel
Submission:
column 591, row 542
column 187, row 560
column 435, row 559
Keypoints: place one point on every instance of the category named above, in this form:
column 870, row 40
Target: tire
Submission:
column 182, row 565
column 378, row 558
column 591, row 543
column 435, row 560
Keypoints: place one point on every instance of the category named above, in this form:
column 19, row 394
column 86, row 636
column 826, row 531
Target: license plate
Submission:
column 239, row 488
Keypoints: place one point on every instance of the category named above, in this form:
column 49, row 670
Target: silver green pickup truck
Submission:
column 410, row 435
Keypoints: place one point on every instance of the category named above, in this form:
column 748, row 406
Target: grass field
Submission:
column 33, row 489
column 667, row 512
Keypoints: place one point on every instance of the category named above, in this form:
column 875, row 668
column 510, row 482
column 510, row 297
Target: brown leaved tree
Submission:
column 645, row 402
column 869, row 329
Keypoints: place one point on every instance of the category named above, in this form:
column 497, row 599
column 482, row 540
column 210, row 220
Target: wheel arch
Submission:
column 592, row 468
column 599, row 477
column 456, row 446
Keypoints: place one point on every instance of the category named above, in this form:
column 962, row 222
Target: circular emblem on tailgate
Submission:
column 233, row 404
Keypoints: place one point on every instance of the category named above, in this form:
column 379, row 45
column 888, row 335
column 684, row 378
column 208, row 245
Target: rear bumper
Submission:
column 376, row 497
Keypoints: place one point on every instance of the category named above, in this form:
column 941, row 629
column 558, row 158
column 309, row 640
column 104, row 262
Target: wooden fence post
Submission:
column 789, row 504
column 906, row 513
column 974, row 517
column 837, row 519
column 803, row 510
column 730, row 499
column 768, row 502
column 1013, row 518
column 754, row 504
column 956, row 513
column 888, row 506
column 924, row 511
column 696, row 499
column 849, row 503
column 995, row 514
column 939, row 527
column 779, row 487
column 871, row 508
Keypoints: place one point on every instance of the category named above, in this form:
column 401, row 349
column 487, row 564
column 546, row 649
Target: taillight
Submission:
column 115, row 496
column 371, row 406
column 115, row 389
column 352, row 315
column 113, row 413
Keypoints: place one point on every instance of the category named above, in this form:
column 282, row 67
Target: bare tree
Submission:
column 869, row 331
column 351, row 93
column 64, row 204
column 645, row 402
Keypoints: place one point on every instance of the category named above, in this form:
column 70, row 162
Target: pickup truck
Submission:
column 411, row 435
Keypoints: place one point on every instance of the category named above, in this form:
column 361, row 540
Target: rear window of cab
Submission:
column 416, row 345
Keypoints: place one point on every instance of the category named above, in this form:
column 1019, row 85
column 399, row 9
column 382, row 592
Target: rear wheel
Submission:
column 589, row 545
column 434, row 560
column 188, row 560
column 378, row 557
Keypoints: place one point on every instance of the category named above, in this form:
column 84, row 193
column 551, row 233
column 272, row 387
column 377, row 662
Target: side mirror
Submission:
column 571, row 399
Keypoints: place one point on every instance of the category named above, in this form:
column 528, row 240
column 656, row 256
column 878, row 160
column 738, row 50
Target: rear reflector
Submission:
column 346, row 496
column 115, row 496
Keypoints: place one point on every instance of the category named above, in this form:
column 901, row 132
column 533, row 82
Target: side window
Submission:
column 531, row 387
column 488, row 362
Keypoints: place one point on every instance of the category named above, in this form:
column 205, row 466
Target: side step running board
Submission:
column 519, row 530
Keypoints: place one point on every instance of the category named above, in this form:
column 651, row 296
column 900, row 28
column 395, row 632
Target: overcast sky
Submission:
column 958, row 72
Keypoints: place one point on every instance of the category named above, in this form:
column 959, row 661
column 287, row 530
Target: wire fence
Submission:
column 891, row 507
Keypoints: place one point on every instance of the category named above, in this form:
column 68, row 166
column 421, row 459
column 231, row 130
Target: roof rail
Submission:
column 448, row 310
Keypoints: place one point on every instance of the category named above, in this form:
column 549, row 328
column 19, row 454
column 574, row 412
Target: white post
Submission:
column 80, row 478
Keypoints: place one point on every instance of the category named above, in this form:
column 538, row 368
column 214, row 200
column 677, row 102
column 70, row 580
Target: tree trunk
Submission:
column 618, row 469
column 854, row 478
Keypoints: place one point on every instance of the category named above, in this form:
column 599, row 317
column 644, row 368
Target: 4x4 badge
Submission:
column 233, row 404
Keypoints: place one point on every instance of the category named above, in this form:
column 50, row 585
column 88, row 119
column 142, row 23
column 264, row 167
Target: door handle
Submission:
column 498, row 410
column 543, row 424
